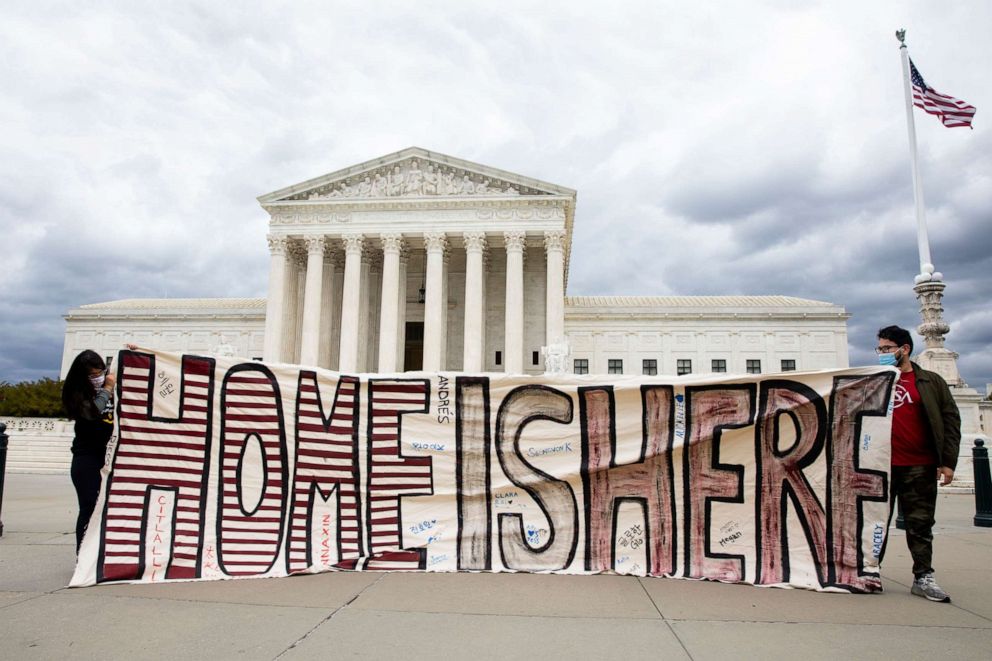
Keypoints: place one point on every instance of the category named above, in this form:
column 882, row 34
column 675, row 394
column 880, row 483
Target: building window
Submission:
column 614, row 366
column 649, row 367
column 499, row 357
column 535, row 357
column 683, row 366
column 788, row 365
column 580, row 365
column 718, row 365
column 754, row 367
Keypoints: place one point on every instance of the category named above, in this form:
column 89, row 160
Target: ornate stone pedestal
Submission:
column 937, row 358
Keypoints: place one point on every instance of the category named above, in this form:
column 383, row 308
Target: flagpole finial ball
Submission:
column 921, row 278
column 927, row 268
column 901, row 35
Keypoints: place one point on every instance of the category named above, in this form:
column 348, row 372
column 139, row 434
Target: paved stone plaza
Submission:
column 476, row 616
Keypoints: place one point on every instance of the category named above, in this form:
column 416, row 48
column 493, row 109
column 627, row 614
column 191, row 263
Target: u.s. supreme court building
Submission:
column 422, row 261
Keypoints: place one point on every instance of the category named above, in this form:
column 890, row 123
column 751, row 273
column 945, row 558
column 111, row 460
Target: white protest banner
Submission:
column 225, row 468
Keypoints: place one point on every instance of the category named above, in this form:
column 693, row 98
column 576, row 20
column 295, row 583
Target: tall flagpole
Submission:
column 922, row 240
column 929, row 285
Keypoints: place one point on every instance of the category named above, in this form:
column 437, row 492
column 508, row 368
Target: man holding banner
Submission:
column 926, row 435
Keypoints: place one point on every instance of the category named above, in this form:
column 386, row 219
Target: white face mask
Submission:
column 98, row 380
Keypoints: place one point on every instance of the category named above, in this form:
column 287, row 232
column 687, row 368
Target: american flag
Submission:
column 952, row 112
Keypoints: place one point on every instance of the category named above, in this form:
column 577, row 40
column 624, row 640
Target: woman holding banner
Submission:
column 87, row 396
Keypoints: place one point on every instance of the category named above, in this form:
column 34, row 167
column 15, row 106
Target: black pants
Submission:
column 86, row 478
column 916, row 489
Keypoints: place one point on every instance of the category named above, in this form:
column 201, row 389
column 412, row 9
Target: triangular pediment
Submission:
column 415, row 173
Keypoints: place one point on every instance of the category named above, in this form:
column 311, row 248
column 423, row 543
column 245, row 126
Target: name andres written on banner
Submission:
column 351, row 456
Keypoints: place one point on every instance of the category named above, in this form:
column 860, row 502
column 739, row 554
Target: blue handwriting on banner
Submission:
column 435, row 447
column 555, row 449
column 534, row 534
column 423, row 526
column 680, row 416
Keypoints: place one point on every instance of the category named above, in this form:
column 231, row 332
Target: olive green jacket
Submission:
column 942, row 414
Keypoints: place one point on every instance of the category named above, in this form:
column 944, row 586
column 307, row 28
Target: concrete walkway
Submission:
column 475, row 616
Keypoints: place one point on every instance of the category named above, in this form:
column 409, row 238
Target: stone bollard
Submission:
column 3, row 468
column 983, row 485
column 900, row 520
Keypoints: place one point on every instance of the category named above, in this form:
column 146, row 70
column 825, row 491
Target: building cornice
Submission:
column 343, row 206
column 170, row 308
column 587, row 315
column 138, row 315
column 680, row 308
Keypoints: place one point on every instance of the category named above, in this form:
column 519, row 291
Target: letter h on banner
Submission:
column 158, row 457
column 647, row 482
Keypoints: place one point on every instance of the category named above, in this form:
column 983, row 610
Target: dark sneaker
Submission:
column 925, row 586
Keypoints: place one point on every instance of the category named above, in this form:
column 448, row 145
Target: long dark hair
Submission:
column 77, row 391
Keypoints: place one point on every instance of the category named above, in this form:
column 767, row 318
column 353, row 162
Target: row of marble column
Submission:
column 283, row 316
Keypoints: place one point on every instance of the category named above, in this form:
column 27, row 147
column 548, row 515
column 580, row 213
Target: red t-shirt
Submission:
column 911, row 444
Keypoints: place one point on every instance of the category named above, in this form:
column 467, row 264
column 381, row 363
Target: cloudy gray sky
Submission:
column 758, row 149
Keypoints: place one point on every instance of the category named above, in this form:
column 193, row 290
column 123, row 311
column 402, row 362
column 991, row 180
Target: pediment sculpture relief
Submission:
column 415, row 179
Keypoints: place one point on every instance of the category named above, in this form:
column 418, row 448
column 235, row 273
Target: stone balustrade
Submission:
column 39, row 445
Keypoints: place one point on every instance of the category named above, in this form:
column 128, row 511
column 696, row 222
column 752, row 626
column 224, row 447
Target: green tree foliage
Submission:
column 32, row 399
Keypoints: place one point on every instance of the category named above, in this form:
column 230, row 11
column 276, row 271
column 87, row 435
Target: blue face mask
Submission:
column 888, row 359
